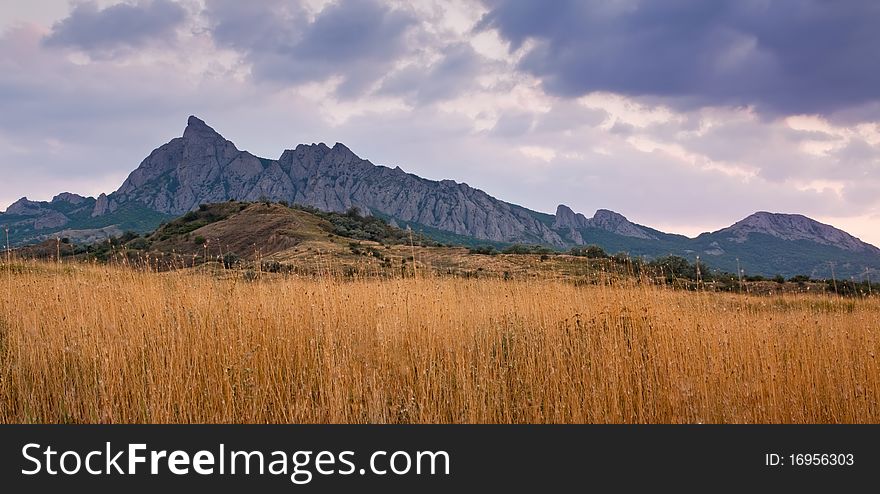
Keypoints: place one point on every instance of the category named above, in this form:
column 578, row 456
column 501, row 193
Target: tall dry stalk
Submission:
column 87, row 343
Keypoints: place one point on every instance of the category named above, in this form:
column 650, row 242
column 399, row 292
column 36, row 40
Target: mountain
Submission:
column 72, row 216
column 791, row 227
column 763, row 243
column 202, row 167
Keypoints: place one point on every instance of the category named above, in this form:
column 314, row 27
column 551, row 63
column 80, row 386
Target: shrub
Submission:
column 230, row 260
column 675, row 267
column 271, row 266
column 139, row 244
column 483, row 249
column 527, row 249
column 591, row 251
column 596, row 252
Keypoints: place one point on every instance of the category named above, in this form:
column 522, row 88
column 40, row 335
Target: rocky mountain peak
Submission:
column 609, row 217
column 69, row 197
column 604, row 219
column 617, row 223
column 343, row 154
column 563, row 211
column 196, row 127
column 566, row 218
column 38, row 215
column 792, row 227
column 24, row 207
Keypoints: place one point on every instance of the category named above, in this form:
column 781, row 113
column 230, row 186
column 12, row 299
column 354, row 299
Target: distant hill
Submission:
column 251, row 230
column 203, row 167
column 761, row 244
column 72, row 216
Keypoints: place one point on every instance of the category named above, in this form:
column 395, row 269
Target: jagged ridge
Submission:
column 203, row 167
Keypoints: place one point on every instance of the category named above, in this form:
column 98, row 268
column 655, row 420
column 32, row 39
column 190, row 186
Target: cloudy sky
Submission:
column 684, row 115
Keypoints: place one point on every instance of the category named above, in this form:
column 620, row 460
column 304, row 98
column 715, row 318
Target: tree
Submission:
column 596, row 252
column 675, row 267
column 483, row 249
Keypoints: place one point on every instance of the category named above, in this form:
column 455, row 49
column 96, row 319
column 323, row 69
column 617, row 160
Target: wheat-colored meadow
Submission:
column 84, row 343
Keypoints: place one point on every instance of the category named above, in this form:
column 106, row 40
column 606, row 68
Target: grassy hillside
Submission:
column 262, row 229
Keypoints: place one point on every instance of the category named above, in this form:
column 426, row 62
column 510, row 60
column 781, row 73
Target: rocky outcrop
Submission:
column 603, row 220
column 25, row 207
column 617, row 223
column 69, row 198
column 566, row 218
column 51, row 219
column 102, row 206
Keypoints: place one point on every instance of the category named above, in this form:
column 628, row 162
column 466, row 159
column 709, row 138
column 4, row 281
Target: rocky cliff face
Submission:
column 200, row 167
column 203, row 167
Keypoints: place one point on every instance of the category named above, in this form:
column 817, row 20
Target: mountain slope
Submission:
column 792, row 227
column 766, row 243
column 202, row 167
column 71, row 216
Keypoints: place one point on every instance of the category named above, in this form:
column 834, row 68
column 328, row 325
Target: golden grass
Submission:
column 82, row 343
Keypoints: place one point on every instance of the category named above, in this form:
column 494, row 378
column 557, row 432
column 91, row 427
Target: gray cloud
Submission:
column 453, row 74
column 66, row 124
column 358, row 40
column 102, row 32
column 784, row 56
column 512, row 124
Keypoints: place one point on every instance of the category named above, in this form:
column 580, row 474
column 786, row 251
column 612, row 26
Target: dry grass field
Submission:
column 84, row 343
